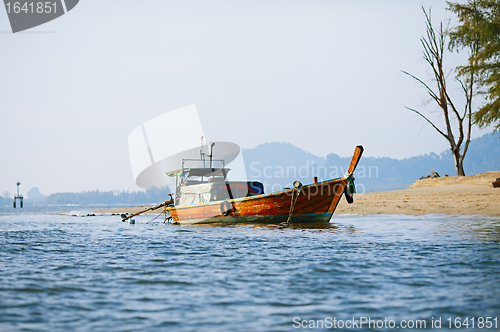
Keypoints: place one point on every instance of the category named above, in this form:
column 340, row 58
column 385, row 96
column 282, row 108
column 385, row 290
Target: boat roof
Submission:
column 206, row 172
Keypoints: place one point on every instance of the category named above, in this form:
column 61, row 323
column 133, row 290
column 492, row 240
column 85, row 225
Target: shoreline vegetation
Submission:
column 465, row 195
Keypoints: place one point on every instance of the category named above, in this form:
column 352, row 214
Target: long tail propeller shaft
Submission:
column 166, row 203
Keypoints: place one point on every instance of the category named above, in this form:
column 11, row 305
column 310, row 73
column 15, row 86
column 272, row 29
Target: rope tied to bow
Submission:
column 350, row 183
column 297, row 187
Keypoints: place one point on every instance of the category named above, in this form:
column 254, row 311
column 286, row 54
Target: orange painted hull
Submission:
column 315, row 203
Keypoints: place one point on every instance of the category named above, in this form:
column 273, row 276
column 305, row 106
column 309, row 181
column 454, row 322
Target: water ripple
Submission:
column 64, row 273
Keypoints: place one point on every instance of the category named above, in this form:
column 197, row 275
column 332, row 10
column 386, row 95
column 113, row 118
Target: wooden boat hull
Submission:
column 314, row 203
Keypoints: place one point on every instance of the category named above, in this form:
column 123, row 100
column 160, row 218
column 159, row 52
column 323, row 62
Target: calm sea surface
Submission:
column 66, row 273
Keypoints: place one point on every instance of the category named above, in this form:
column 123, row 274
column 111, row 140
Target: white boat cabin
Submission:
column 202, row 185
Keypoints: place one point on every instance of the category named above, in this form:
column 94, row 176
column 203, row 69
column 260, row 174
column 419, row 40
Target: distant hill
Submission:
column 277, row 165
column 35, row 195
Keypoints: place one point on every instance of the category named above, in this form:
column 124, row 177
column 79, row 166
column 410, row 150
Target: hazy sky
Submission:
column 322, row 75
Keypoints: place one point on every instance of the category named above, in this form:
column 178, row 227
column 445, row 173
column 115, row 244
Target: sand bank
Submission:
column 446, row 195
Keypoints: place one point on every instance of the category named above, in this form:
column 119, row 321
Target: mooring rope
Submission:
column 157, row 216
column 298, row 187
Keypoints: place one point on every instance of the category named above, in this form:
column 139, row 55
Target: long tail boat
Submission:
column 213, row 199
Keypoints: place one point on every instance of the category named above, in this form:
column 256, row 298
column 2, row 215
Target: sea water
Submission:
column 68, row 273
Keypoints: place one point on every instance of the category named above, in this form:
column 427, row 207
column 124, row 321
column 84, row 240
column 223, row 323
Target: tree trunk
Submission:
column 459, row 163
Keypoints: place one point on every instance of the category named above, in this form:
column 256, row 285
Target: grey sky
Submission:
column 322, row 75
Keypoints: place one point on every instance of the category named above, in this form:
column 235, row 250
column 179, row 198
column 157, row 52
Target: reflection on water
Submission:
column 96, row 273
column 489, row 230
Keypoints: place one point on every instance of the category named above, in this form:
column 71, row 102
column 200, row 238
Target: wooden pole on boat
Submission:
column 166, row 203
column 355, row 159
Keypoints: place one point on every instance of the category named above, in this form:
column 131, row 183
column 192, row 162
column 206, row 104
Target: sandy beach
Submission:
column 473, row 194
column 445, row 195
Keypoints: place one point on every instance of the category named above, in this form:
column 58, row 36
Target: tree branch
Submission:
column 432, row 124
column 433, row 95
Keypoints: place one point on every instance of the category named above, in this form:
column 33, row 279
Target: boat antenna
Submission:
column 211, row 152
column 202, row 154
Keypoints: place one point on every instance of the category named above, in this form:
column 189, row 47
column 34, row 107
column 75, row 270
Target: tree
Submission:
column 434, row 46
column 480, row 27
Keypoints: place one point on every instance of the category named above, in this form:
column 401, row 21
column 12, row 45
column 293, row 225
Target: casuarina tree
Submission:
column 479, row 29
column 435, row 44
